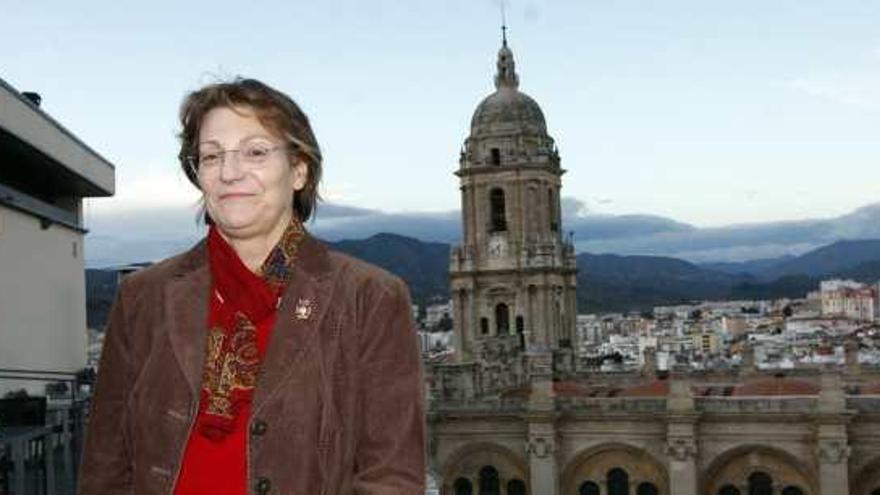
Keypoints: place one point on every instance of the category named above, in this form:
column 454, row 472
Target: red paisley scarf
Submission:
column 232, row 358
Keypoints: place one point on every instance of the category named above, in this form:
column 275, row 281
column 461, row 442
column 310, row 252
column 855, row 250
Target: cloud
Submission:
column 145, row 187
column 572, row 207
column 126, row 236
column 861, row 91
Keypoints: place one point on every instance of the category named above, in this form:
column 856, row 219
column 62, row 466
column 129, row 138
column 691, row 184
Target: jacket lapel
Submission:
column 186, row 310
column 303, row 306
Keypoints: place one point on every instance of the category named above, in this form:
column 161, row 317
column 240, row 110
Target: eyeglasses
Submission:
column 251, row 156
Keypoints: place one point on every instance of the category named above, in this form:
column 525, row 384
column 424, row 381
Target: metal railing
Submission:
column 43, row 459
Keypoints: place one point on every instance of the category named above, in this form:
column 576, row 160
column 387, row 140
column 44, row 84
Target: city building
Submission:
column 849, row 299
column 45, row 172
column 515, row 413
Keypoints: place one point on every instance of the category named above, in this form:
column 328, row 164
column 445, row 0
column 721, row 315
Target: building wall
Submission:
column 727, row 449
column 42, row 298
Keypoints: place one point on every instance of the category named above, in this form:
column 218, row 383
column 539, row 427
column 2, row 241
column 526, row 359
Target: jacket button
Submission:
column 263, row 485
column 258, row 427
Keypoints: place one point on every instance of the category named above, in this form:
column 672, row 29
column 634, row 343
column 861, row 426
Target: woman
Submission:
column 259, row 361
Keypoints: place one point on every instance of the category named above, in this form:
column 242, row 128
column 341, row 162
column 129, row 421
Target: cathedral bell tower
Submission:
column 513, row 276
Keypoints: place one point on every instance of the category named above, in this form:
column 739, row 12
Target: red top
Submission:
column 219, row 467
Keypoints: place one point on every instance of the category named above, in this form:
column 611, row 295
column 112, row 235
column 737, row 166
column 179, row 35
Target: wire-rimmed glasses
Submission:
column 251, row 156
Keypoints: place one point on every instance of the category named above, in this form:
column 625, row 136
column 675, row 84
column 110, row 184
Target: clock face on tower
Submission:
column 496, row 247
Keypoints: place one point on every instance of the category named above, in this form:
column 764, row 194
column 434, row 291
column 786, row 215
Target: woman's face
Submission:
column 246, row 199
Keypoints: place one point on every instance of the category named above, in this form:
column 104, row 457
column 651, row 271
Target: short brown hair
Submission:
column 275, row 110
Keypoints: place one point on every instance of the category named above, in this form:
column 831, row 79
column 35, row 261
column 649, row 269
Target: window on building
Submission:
column 588, row 488
column 498, row 218
column 489, row 484
column 502, row 319
column 647, row 489
column 463, row 486
column 760, row 484
column 551, row 210
column 484, row 326
column 792, row 490
column 520, row 331
column 618, row 482
column 516, row 487
column 728, row 490
column 496, row 157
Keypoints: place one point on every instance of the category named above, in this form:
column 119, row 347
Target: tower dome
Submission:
column 507, row 110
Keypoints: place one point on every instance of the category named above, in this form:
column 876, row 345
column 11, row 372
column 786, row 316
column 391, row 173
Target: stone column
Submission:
column 541, row 416
column 747, row 365
column 459, row 323
column 649, row 364
column 543, row 471
column 681, row 444
column 851, row 356
column 541, row 444
column 832, row 449
column 833, row 468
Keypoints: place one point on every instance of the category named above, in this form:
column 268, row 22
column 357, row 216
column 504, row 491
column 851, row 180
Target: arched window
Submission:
column 484, row 325
column 647, row 489
column 463, row 486
column 502, row 319
column 588, row 488
column 489, row 484
column 760, row 484
column 728, row 490
column 498, row 218
column 520, row 331
column 551, row 210
column 793, row 490
column 460, row 311
column 496, row 156
column 618, row 482
column 516, row 487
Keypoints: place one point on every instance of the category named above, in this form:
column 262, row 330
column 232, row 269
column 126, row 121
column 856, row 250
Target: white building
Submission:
column 45, row 172
column 436, row 312
column 589, row 329
column 849, row 299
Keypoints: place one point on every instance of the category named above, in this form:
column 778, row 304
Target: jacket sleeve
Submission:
column 106, row 466
column 390, row 455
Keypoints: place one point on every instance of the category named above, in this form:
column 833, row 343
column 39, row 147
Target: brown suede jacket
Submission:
column 338, row 407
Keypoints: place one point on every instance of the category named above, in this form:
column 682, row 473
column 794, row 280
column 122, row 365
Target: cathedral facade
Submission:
column 515, row 413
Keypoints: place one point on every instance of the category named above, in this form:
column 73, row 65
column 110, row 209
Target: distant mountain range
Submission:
column 121, row 237
column 606, row 282
column 610, row 282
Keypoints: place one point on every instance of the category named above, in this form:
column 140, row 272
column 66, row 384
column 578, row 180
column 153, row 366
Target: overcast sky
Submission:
column 710, row 113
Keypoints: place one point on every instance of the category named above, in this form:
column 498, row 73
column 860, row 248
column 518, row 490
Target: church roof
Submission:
column 776, row 386
column 507, row 110
column 870, row 389
column 761, row 387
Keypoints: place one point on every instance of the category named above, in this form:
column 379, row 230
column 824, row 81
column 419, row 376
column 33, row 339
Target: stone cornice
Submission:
column 683, row 417
column 836, row 418
column 561, row 270
column 495, row 169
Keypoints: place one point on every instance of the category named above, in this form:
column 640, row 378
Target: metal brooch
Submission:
column 303, row 309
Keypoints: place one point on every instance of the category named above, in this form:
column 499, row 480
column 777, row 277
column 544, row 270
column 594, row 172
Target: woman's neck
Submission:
column 254, row 249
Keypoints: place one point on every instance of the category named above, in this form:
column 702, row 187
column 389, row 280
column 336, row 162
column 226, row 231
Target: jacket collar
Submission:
column 303, row 306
